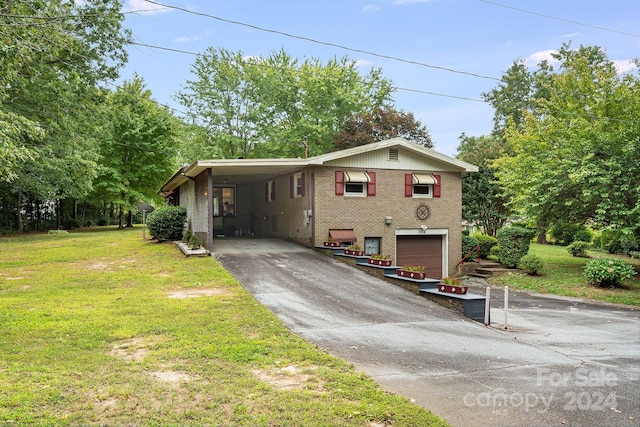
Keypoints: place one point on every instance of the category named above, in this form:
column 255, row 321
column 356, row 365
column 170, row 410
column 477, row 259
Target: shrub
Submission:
column 514, row 243
column 468, row 243
column 495, row 252
column 566, row 233
column 616, row 242
column 486, row 242
column 187, row 235
column 167, row 223
column 607, row 272
column 532, row 264
column 579, row 249
column 583, row 236
column 103, row 221
column 194, row 242
column 58, row 232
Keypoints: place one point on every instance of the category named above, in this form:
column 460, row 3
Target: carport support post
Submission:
column 487, row 307
column 210, row 209
column 506, row 305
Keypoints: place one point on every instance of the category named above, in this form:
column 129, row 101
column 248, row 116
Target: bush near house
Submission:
column 608, row 272
column 578, row 249
column 514, row 243
column 468, row 243
column 167, row 223
column 486, row 242
column 532, row 264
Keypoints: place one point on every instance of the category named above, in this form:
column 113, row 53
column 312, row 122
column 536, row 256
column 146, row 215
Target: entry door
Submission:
column 421, row 250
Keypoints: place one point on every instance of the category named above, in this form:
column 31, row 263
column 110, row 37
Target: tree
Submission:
column 139, row 151
column 575, row 156
column 266, row 107
column 380, row 124
column 51, row 50
column 54, row 54
column 483, row 200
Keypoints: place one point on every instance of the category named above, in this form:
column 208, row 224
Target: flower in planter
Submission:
column 380, row 257
column 354, row 248
column 414, row 268
column 453, row 281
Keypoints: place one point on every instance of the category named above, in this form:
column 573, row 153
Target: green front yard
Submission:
column 102, row 328
column 563, row 275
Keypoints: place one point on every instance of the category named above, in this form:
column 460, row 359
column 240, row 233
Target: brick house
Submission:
column 391, row 197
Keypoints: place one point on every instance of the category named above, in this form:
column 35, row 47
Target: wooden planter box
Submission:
column 411, row 274
column 383, row 262
column 453, row 289
column 331, row 244
column 354, row 253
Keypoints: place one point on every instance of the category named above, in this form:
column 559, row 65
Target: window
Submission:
column 355, row 183
column 224, row 201
column 270, row 191
column 421, row 185
column 296, row 185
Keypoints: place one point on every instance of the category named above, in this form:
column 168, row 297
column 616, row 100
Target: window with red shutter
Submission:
column 371, row 185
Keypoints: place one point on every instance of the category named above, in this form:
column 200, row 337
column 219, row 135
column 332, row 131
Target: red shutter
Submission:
column 291, row 187
column 436, row 186
column 408, row 185
column 371, row 185
column 302, row 184
column 266, row 191
column 339, row 183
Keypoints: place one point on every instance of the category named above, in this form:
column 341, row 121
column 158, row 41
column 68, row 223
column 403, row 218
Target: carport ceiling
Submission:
column 245, row 171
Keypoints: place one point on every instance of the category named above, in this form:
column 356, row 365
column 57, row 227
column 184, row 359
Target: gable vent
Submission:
column 393, row 154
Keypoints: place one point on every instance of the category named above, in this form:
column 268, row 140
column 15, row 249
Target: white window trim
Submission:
column 422, row 196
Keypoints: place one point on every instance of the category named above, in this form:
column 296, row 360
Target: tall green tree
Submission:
column 54, row 54
column 380, row 124
column 483, row 200
column 575, row 156
column 139, row 151
column 266, row 107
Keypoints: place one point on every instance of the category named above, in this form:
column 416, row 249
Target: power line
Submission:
column 350, row 49
column 560, row 19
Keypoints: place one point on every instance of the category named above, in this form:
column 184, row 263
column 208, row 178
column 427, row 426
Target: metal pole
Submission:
column 506, row 305
column 144, row 220
column 487, row 319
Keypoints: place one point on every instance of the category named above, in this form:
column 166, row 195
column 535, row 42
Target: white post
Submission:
column 144, row 212
column 506, row 305
column 487, row 307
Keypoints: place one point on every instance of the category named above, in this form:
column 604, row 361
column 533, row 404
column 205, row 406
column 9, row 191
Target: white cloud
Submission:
column 570, row 35
column 186, row 39
column 370, row 8
column 144, row 7
column 537, row 57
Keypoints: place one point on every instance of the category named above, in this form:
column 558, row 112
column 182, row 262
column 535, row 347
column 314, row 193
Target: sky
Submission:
column 441, row 55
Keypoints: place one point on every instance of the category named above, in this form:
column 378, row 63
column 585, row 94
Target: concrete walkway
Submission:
column 561, row 361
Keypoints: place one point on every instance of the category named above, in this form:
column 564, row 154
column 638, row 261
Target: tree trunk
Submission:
column 542, row 234
column 20, row 226
column 129, row 219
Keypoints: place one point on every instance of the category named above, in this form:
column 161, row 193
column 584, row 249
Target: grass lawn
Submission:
column 563, row 275
column 102, row 328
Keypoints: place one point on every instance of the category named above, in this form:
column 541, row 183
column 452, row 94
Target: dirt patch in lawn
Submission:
column 291, row 378
column 134, row 349
column 196, row 293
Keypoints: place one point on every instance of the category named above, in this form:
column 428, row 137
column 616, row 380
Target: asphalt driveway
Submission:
column 560, row 362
